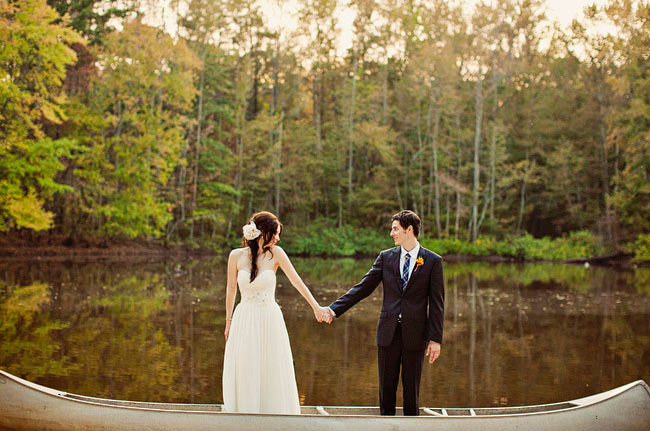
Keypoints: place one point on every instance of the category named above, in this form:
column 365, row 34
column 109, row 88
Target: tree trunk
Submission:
column 198, row 150
column 274, row 102
column 278, row 176
column 477, row 142
column 384, row 105
column 340, row 204
column 399, row 195
column 493, row 146
column 434, row 188
column 448, row 198
column 493, row 141
column 317, row 119
column 604, row 171
column 522, row 195
column 429, row 142
column 418, row 197
column 253, row 108
column 405, row 167
column 458, row 199
column 351, row 128
column 316, row 107
column 436, row 183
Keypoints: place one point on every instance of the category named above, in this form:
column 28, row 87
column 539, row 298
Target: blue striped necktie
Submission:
column 405, row 271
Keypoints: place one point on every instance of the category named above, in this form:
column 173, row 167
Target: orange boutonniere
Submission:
column 419, row 262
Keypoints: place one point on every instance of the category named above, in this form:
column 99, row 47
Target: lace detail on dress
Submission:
column 261, row 290
column 258, row 297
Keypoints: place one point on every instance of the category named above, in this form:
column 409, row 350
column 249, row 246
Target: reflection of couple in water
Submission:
column 258, row 374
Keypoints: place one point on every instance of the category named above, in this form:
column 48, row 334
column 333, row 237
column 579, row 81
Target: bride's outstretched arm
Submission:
column 286, row 265
column 231, row 290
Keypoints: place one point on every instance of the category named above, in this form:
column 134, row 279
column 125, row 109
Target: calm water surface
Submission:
column 514, row 334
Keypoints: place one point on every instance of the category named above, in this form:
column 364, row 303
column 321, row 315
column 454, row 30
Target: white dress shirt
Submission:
column 402, row 258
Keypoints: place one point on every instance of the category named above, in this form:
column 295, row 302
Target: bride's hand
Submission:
column 226, row 332
column 323, row 315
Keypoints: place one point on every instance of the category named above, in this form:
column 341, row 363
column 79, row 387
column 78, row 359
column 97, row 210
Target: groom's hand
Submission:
column 327, row 315
column 433, row 351
column 324, row 315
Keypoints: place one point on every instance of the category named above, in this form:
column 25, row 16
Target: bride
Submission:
column 258, row 375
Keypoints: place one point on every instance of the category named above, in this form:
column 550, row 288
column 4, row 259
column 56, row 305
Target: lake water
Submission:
column 514, row 334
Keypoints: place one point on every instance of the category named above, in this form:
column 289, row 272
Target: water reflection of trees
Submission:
column 515, row 344
column 527, row 358
column 26, row 335
column 514, row 334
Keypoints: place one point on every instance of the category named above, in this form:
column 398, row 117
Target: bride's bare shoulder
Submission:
column 279, row 254
column 277, row 248
column 238, row 252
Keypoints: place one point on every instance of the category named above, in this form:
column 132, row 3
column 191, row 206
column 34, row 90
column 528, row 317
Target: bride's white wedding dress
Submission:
column 258, row 374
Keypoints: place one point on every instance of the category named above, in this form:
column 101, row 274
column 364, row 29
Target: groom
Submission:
column 410, row 321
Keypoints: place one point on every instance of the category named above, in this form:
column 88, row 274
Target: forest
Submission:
column 171, row 122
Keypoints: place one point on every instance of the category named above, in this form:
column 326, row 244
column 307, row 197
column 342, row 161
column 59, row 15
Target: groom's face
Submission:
column 398, row 233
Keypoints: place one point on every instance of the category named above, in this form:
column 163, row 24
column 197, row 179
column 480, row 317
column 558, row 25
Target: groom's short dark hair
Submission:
column 408, row 218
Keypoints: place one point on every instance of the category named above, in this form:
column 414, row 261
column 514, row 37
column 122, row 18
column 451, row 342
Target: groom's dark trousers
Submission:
column 409, row 319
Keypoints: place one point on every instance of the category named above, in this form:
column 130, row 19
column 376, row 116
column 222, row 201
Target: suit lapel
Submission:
column 396, row 256
column 416, row 270
column 396, row 269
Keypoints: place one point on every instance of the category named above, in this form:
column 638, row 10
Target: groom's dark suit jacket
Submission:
column 421, row 304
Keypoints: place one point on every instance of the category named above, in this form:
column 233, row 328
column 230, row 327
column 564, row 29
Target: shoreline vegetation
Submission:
column 579, row 247
column 511, row 136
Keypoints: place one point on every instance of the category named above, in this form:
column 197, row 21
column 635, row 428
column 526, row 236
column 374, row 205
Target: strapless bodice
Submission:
column 261, row 290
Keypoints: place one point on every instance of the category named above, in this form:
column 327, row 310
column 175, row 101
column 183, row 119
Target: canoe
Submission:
column 28, row 406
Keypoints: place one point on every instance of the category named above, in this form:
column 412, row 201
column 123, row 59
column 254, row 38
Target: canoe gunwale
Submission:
column 541, row 409
column 212, row 408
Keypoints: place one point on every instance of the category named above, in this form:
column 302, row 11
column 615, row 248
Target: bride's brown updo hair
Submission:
column 268, row 224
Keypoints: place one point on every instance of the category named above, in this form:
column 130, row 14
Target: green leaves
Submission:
column 324, row 239
column 182, row 136
column 90, row 17
column 640, row 247
column 141, row 89
column 629, row 120
column 579, row 244
column 33, row 58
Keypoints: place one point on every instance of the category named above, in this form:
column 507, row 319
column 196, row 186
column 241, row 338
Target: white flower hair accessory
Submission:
column 251, row 231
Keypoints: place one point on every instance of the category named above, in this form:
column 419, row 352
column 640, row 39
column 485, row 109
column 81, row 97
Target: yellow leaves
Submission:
column 33, row 353
column 33, row 61
column 379, row 137
column 141, row 60
column 523, row 170
column 23, row 304
column 53, row 113
column 27, row 212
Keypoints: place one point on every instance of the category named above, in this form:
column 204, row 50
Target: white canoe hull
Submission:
column 27, row 406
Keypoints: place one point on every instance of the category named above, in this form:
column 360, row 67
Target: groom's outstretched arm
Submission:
column 365, row 287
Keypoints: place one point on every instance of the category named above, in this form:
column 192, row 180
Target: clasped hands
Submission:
column 323, row 314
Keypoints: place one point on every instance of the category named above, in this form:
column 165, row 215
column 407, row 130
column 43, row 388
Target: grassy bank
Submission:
column 323, row 239
column 347, row 241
